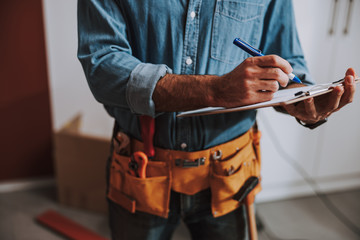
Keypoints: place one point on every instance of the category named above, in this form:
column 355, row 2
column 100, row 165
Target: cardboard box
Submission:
column 80, row 162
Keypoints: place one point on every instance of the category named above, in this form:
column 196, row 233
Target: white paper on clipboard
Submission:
column 284, row 96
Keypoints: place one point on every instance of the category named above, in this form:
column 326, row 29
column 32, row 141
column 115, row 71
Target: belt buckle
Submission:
column 185, row 163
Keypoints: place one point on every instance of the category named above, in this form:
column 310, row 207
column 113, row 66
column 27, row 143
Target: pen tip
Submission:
column 296, row 79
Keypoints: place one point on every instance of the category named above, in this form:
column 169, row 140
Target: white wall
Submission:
column 70, row 94
column 284, row 141
column 330, row 154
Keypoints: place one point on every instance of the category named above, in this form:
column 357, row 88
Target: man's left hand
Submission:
column 316, row 109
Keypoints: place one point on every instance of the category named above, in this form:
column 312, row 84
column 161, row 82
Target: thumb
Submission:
column 350, row 71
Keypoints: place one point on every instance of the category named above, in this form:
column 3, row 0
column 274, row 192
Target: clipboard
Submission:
column 284, row 96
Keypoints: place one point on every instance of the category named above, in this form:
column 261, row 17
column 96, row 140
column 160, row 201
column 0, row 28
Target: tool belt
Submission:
column 223, row 169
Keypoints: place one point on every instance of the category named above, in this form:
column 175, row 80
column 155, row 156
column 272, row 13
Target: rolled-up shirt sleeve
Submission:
column 116, row 78
column 141, row 86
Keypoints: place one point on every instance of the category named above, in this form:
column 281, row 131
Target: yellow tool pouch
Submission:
column 230, row 173
column 150, row 195
column 223, row 169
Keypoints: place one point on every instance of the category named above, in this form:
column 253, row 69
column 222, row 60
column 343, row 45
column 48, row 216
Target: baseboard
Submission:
column 25, row 184
column 269, row 193
column 296, row 189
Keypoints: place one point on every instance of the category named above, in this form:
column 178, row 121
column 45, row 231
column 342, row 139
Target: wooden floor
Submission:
column 308, row 218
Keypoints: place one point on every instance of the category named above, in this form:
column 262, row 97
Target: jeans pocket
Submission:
column 232, row 19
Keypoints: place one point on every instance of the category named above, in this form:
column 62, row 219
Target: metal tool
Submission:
column 250, row 216
column 245, row 193
column 121, row 143
column 230, row 171
column 217, row 155
column 185, row 163
column 248, row 186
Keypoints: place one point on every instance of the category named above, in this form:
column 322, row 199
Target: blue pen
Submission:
column 257, row 53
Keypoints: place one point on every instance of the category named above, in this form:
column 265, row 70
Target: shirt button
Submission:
column 183, row 145
column 192, row 15
column 188, row 61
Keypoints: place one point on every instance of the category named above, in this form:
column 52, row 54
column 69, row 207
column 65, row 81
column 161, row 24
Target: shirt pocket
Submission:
column 232, row 19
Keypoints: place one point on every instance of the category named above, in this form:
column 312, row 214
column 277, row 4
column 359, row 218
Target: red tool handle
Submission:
column 147, row 134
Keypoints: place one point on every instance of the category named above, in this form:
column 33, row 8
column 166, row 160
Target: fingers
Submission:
column 316, row 112
column 310, row 110
column 274, row 74
column 349, row 91
column 350, row 71
column 274, row 67
column 263, row 96
column 307, row 113
column 274, row 61
column 349, row 88
column 313, row 110
column 334, row 99
column 267, row 85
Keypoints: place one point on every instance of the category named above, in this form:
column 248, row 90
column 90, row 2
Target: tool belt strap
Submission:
column 166, row 154
column 190, row 171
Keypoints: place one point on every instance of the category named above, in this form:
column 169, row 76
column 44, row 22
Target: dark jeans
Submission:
column 194, row 210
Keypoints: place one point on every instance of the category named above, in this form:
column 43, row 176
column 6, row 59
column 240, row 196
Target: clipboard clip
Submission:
column 316, row 89
column 302, row 94
column 339, row 81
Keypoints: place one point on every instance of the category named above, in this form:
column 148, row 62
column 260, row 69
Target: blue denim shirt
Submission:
column 126, row 46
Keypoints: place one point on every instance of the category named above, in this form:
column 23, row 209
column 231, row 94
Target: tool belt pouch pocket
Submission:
column 150, row 194
column 228, row 175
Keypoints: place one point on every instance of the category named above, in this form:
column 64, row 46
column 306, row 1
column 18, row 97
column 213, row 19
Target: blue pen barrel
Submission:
column 247, row 48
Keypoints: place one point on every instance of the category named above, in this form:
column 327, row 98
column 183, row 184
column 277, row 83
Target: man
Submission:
column 157, row 58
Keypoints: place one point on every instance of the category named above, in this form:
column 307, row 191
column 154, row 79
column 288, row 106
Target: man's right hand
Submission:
column 255, row 80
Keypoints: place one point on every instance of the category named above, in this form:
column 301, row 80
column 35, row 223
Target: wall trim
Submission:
column 270, row 192
column 26, row 184
column 288, row 190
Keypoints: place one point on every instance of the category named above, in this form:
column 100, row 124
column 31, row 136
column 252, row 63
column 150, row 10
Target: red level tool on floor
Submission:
column 67, row 227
